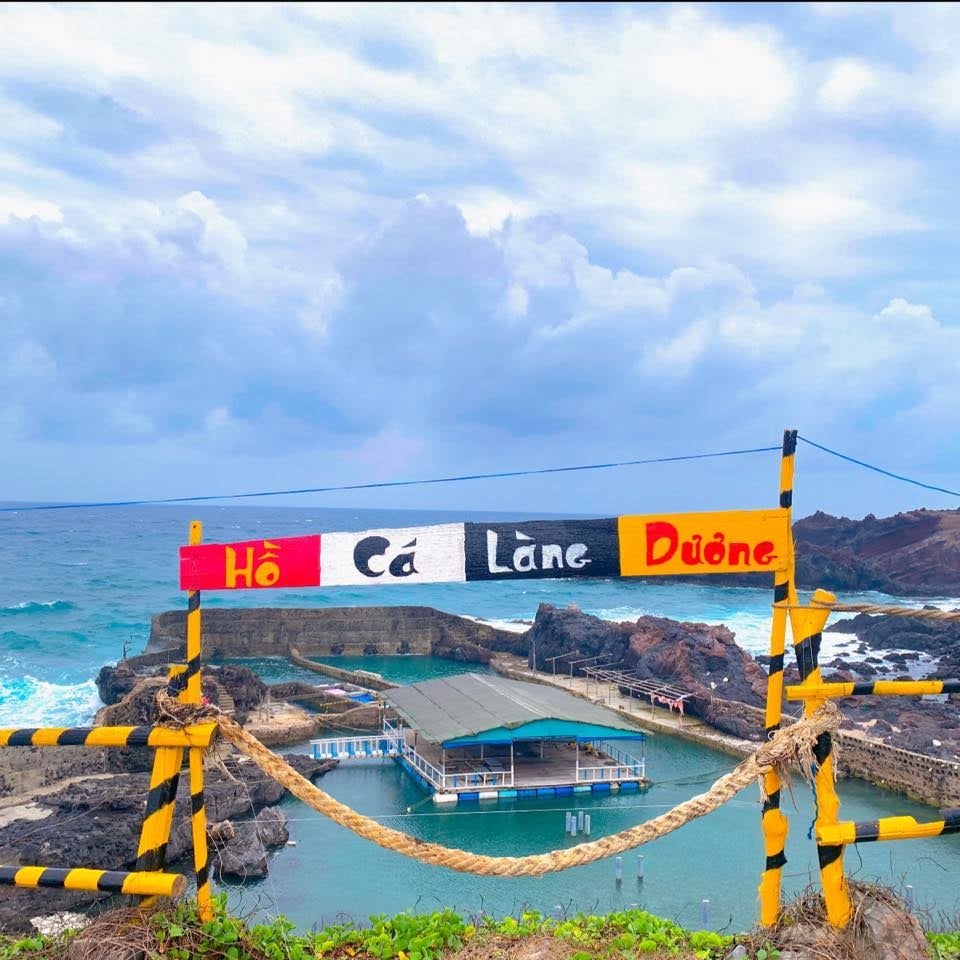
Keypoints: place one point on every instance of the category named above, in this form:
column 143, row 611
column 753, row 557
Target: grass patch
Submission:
column 178, row 934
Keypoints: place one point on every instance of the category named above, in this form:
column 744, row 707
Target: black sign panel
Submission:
column 542, row 548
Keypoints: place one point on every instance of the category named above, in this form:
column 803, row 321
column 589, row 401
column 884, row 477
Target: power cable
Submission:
column 386, row 483
column 876, row 469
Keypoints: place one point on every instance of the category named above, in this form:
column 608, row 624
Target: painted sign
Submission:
column 408, row 555
column 735, row 541
column 252, row 564
column 542, row 548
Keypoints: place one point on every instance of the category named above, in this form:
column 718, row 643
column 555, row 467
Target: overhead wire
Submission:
column 876, row 469
column 384, row 484
column 496, row 475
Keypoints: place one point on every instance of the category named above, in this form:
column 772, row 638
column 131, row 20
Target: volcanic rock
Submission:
column 935, row 637
column 242, row 851
column 914, row 553
column 701, row 659
column 97, row 823
column 131, row 698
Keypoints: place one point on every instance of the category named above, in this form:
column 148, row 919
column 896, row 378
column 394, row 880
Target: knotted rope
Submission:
column 792, row 745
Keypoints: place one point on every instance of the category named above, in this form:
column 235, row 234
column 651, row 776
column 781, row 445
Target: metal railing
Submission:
column 354, row 748
column 625, row 766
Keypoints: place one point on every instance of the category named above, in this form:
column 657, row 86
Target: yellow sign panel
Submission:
column 732, row 541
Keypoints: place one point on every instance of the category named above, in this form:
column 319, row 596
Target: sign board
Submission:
column 736, row 541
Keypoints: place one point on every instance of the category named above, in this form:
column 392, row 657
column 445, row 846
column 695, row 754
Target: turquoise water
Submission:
column 401, row 669
column 331, row 872
column 76, row 587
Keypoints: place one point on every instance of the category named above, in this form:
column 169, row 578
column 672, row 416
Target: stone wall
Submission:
column 327, row 631
column 927, row 779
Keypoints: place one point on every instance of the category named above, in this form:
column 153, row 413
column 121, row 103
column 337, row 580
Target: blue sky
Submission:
column 283, row 246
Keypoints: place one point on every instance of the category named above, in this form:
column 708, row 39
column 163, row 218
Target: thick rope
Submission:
column 793, row 745
column 878, row 609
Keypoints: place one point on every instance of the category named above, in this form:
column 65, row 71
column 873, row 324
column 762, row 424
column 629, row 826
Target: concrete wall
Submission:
column 927, row 779
column 328, row 631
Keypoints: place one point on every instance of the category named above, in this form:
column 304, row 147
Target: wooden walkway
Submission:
column 649, row 717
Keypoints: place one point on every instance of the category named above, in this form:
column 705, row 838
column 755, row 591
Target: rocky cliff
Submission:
column 915, row 553
column 702, row 659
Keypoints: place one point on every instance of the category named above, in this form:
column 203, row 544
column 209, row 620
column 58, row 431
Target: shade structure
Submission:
column 472, row 708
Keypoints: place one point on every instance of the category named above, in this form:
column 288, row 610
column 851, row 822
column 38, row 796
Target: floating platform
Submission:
column 471, row 738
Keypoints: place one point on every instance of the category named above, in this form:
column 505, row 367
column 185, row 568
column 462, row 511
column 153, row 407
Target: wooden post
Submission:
column 806, row 625
column 774, row 823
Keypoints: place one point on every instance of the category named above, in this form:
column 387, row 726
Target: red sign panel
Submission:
column 253, row 564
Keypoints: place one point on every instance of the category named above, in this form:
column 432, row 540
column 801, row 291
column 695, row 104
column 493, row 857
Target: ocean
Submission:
column 78, row 588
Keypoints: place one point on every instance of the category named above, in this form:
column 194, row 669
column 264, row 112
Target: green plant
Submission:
column 944, row 946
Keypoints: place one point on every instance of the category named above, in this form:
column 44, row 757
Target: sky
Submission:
column 283, row 246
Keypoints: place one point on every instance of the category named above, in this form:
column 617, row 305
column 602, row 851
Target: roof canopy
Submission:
column 473, row 708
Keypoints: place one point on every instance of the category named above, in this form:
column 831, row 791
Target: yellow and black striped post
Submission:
column 806, row 624
column 193, row 694
column 198, row 829
column 875, row 688
column 186, row 683
column 199, row 735
column 784, row 594
column 135, row 883
column 890, row 828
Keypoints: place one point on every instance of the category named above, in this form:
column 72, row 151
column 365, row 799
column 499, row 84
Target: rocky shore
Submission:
column 94, row 819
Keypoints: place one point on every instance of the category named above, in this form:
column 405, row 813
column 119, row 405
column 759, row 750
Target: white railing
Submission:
column 423, row 766
column 625, row 766
column 479, row 779
column 347, row 748
column 610, row 773
column 620, row 755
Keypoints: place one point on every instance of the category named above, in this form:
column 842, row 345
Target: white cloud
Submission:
column 636, row 121
column 25, row 207
column 221, row 237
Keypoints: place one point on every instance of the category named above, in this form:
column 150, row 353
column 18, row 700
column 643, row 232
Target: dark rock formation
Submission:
column 240, row 849
column 938, row 638
column 915, row 553
column 131, row 697
column 461, row 651
column 114, row 683
column 97, row 823
column 696, row 657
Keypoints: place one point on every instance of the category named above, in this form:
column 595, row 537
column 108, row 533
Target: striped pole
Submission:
column 158, row 815
column 878, row 688
column 774, row 823
column 198, row 828
column 105, row 881
column 168, row 761
column 197, row 735
column 890, row 828
column 806, row 624
column 193, row 694
column 194, row 691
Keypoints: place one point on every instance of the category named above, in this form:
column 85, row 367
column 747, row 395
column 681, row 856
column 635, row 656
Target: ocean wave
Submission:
column 28, row 702
column 37, row 606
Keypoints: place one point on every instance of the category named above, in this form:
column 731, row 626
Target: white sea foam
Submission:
column 28, row 702
column 37, row 606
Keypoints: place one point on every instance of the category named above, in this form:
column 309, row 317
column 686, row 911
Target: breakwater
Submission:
column 332, row 631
